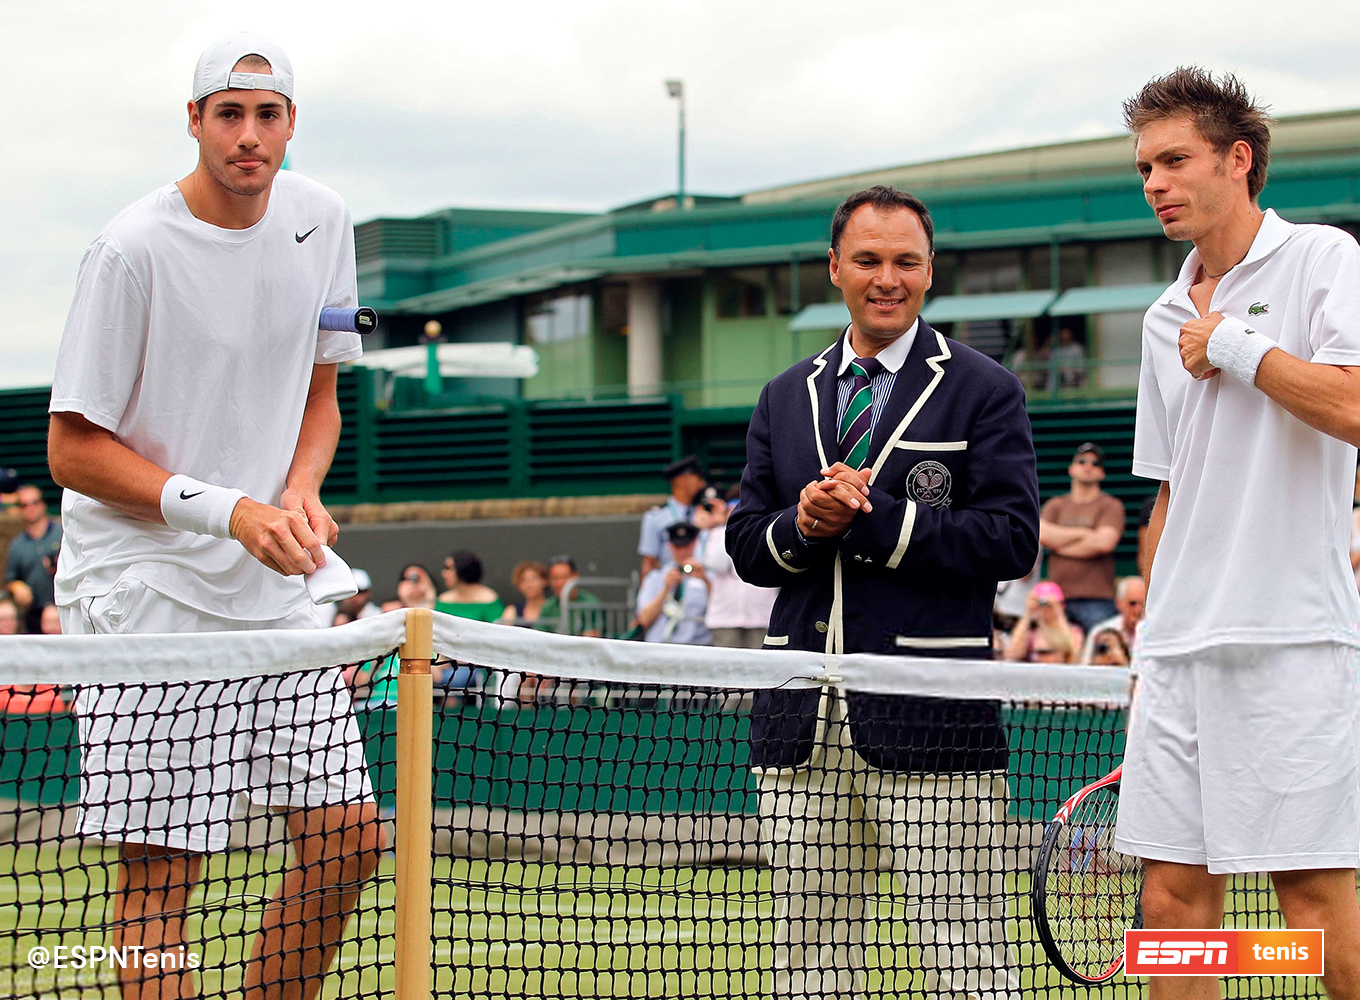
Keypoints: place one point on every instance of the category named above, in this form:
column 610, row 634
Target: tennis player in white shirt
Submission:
column 194, row 417
column 1244, row 754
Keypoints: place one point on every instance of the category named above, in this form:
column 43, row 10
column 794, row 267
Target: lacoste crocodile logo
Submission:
column 1258, row 309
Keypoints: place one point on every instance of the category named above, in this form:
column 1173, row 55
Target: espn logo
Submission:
column 1223, row 952
column 1184, row 955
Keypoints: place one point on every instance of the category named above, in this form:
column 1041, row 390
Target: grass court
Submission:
column 509, row 929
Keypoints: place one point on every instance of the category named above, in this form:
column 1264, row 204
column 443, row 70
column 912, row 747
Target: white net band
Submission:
column 230, row 655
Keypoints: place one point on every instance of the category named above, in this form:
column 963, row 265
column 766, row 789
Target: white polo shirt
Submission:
column 195, row 345
column 1255, row 548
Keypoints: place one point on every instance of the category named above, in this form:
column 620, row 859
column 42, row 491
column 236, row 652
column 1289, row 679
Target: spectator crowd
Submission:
column 687, row 591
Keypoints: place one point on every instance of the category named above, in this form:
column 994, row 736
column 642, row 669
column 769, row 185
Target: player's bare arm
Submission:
column 288, row 538
column 89, row 459
column 319, row 435
column 1156, row 522
column 1325, row 397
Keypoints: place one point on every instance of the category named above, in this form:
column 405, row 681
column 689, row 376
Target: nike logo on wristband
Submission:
column 189, row 496
column 302, row 236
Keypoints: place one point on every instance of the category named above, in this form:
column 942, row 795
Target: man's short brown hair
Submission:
column 885, row 199
column 1221, row 109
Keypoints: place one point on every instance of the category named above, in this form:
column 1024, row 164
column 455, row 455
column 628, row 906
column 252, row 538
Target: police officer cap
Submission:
column 681, row 533
column 690, row 463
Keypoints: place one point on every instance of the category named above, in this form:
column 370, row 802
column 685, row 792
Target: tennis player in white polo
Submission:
column 1244, row 751
column 194, row 418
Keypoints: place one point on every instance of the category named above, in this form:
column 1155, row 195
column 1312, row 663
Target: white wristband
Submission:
column 204, row 509
column 1237, row 349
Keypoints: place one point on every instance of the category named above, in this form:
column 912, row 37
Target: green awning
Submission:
column 823, row 316
column 1005, row 305
column 1106, row 299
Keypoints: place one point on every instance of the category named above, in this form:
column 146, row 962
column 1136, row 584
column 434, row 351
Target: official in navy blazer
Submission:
column 900, row 554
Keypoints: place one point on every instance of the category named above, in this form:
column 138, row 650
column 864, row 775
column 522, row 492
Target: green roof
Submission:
column 1107, row 299
column 1003, row 305
column 823, row 316
column 1067, row 193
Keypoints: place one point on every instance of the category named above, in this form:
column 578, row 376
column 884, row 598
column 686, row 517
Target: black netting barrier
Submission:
column 589, row 839
column 207, row 838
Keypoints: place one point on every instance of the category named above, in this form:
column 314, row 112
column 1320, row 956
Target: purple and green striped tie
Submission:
column 859, row 414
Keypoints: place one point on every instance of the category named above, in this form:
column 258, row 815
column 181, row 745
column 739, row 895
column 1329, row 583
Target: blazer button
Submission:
column 820, row 626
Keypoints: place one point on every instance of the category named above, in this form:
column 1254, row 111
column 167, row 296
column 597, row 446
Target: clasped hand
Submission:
column 1194, row 345
column 827, row 506
column 287, row 538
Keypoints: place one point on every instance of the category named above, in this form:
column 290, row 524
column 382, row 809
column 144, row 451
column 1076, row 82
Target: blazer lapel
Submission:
column 821, row 386
column 916, row 380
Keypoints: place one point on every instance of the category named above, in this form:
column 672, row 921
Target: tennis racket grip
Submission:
column 348, row 320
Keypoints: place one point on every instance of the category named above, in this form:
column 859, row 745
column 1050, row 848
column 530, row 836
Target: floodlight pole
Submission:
column 676, row 89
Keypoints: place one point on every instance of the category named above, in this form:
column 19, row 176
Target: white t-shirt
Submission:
column 732, row 602
column 195, row 346
column 1256, row 538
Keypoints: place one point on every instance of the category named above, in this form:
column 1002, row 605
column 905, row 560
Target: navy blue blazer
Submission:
column 955, row 503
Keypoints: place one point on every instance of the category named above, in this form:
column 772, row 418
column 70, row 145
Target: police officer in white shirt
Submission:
column 686, row 478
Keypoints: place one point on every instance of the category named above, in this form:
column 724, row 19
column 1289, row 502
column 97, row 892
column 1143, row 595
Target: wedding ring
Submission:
column 815, row 521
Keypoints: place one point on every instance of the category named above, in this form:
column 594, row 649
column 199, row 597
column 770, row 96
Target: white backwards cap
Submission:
column 214, row 69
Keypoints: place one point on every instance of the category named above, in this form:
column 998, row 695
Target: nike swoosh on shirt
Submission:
column 189, row 496
column 302, row 236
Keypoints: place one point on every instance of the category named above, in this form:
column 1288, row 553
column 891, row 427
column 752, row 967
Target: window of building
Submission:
column 551, row 318
column 814, row 286
column 944, row 273
column 987, row 271
column 1072, row 266
column 614, row 308
column 740, row 292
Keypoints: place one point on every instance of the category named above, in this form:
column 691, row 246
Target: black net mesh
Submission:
column 597, row 840
column 589, row 839
column 234, row 811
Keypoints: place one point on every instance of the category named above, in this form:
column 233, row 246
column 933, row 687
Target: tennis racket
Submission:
column 1083, row 893
column 360, row 320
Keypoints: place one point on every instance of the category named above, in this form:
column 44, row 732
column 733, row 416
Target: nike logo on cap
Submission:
column 302, row 236
column 189, row 496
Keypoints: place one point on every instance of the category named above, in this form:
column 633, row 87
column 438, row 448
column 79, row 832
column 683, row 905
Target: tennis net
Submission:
column 624, row 820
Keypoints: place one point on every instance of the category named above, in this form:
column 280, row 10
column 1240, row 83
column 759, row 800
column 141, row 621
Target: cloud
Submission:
column 407, row 107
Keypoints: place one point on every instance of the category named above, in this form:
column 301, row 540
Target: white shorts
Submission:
column 1244, row 759
column 166, row 763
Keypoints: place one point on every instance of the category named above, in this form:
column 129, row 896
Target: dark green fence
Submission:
column 526, row 448
column 23, row 440
column 598, row 760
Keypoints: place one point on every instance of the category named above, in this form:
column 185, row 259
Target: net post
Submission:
column 415, row 740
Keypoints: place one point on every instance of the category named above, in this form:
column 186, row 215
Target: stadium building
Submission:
column 655, row 324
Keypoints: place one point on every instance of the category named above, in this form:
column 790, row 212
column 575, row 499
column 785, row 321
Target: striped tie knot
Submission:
column 859, row 414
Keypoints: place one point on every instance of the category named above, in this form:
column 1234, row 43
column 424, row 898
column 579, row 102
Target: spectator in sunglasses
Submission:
column 1080, row 529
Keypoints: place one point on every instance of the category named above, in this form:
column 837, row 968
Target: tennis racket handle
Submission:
column 332, row 582
column 360, row 320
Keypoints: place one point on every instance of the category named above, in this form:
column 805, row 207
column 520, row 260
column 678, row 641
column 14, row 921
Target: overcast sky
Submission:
column 407, row 107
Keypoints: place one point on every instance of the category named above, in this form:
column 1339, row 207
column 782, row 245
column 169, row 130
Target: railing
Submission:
column 610, row 444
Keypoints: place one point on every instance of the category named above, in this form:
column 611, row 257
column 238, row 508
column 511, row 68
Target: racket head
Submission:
column 1083, row 893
